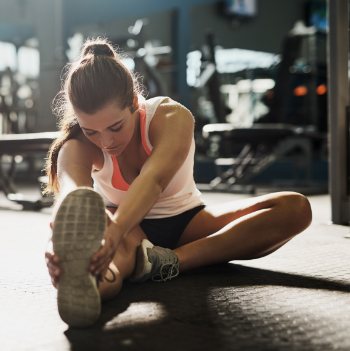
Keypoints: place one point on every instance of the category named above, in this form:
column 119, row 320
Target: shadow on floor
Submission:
column 221, row 307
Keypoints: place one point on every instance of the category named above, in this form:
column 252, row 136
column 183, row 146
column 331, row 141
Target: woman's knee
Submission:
column 297, row 210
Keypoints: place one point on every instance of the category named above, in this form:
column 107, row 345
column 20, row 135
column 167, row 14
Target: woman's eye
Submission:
column 116, row 130
column 89, row 134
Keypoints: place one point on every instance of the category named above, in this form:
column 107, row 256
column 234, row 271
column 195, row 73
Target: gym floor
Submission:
column 298, row 298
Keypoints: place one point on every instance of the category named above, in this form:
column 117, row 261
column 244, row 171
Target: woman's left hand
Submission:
column 103, row 257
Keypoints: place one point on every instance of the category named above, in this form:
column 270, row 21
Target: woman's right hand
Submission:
column 52, row 262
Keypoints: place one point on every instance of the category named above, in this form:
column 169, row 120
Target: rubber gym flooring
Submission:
column 298, row 298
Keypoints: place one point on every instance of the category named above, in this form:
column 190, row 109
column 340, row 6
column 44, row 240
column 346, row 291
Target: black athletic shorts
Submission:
column 166, row 232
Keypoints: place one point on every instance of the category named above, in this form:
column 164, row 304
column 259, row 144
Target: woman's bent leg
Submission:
column 122, row 265
column 243, row 230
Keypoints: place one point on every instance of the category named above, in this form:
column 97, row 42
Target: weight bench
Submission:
column 24, row 145
column 264, row 145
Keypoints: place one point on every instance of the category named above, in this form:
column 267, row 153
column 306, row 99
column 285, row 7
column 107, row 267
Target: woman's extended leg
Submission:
column 244, row 229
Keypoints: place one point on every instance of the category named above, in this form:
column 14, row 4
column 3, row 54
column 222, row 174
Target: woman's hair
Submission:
column 94, row 80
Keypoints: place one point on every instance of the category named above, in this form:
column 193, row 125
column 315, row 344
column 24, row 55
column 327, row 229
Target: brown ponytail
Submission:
column 96, row 79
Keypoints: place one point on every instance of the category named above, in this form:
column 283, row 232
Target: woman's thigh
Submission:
column 213, row 218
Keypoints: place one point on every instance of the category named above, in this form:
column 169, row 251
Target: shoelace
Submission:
column 169, row 274
column 114, row 278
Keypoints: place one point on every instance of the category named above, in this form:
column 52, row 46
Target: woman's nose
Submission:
column 106, row 141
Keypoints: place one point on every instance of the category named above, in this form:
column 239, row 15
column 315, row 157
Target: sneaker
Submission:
column 78, row 231
column 154, row 262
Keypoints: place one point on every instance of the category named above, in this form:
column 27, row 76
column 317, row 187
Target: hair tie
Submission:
column 101, row 49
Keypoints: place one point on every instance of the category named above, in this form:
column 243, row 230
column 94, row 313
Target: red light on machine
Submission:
column 321, row 89
column 300, row 91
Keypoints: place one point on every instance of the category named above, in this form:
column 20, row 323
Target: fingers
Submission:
column 100, row 261
column 103, row 250
column 48, row 257
column 53, row 270
column 51, row 257
column 100, row 258
column 101, row 265
column 108, row 247
column 54, row 280
column 52, row 261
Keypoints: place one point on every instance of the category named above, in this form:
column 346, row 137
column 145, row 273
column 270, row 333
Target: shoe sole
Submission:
column 78, row 230
column 143, row 266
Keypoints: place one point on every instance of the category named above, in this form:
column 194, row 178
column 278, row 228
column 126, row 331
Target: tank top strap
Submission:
column 147, row 109
column 143, row 124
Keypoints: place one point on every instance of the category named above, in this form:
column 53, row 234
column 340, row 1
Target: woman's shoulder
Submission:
column 81, row 147
column 171, row 114
column 169, row 107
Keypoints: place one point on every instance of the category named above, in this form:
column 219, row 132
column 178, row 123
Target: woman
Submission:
column 140, row 156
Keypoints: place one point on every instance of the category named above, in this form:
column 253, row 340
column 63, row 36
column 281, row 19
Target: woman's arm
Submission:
column 74, row 167
column 171, row 133
column 75, row 162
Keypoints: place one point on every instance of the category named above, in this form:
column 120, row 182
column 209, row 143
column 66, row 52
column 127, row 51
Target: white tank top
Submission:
column 179, row 196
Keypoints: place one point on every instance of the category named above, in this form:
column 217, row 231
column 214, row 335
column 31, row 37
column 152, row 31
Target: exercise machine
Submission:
column 28, row 144
column 282, row 132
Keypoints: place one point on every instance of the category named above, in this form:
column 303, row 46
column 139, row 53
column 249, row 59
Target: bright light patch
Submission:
column 7, row 56
column 235, row 60
column 193, row 68
column 24, row 92
column 74, row 43
column 129, row 63
column 262, row 85
column 29, row 61
column 138, row 313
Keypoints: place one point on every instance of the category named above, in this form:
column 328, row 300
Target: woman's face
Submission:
column 110, row 128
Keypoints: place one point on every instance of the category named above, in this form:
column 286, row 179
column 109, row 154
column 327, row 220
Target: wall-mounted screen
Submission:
column 318, row 15
column 242, row 8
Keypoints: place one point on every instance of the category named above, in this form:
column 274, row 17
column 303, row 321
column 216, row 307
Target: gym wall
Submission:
column 263, row 33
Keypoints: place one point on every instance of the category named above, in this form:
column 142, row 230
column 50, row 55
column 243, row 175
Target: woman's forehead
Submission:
column 103, row 118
